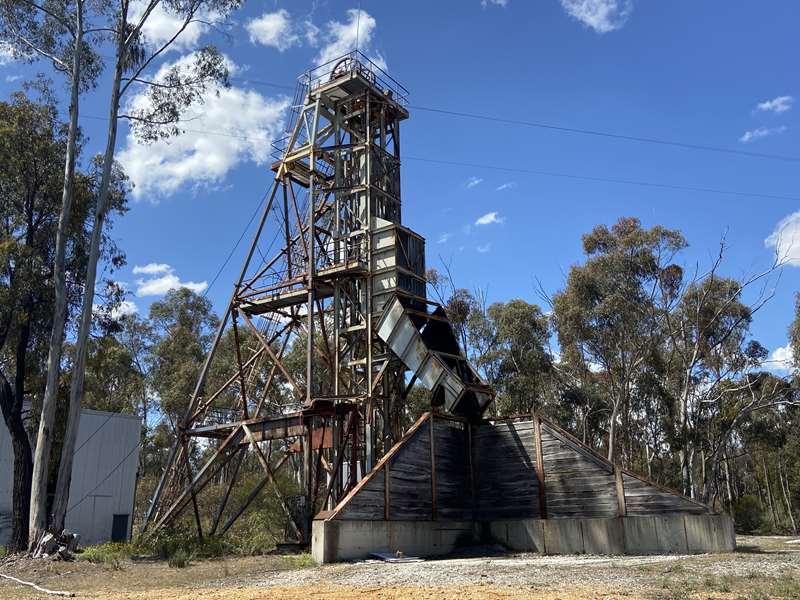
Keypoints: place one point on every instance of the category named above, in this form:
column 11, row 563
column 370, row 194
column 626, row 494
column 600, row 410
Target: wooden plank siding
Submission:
column 453, row 489
column 577, row 483
column 368, row 504
column 410, row 478
column 645, row 499
column 504, row 459
column 446, row 469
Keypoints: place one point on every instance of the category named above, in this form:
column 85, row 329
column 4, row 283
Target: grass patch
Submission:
column 3, row 551
column 179, row 559
column 111, row 553
column 301, row 561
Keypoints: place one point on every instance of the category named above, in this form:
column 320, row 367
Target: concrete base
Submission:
column 336, row 540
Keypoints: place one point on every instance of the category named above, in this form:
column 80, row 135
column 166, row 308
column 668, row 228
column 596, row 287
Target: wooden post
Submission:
column 537, row 423
column 433, row 468
column 471, row 471
column 386, row 492
column 620, row 491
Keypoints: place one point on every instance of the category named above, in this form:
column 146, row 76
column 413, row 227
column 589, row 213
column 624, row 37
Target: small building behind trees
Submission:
column 103, row 477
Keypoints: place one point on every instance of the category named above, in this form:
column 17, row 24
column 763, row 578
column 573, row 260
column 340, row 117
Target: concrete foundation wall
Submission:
column 666, row 534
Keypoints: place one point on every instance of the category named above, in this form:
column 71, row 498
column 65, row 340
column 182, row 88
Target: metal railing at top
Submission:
column 355, row 61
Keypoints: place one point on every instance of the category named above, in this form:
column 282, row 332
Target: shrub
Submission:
column 747, row 514
column 110, row 553
column 179, row 559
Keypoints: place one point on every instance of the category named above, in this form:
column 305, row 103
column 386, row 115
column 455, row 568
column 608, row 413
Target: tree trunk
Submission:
column 770, row 498
column 786, row 495
column 728, row 490
column 81, row 344
column 44, row 438
column 612, row 432
column 11, row 402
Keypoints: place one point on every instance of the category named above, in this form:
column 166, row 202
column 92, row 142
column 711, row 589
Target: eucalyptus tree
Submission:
column 32, row 146
column 606, row 316
column 54, row 31
column 168, row 90
column 524, row 362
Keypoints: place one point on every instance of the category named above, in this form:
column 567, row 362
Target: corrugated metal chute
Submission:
column 464, row 395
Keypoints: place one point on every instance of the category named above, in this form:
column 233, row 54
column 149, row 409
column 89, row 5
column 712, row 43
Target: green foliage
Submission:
column 179, row 559
column 747, row 514
column 110, row 553
column 301, row 561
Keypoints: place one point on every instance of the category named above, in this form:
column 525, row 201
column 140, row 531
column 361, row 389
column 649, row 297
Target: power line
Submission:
column 607, row 134
column 578, row 177
column 239, row 241
column 668, row 186
column 575, row 130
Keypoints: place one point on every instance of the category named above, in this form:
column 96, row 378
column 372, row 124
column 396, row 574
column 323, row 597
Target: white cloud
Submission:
column 151, row 269
column 485, row 3
column 162, row 24
column 601, row 15
column 786, row 240
column 506, row 186
column 274, row 29
column 6, row 53
column 484, row 248
column 167, row 280
column 126, row 307
column 232, row 125
column 776, row 105
column 443, row 238
column 489, row 218
column 473, row 181
column 781, row 359
column 761, row 132
column 343, row 37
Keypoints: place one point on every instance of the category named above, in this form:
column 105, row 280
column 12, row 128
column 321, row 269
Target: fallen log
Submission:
column 38, row 588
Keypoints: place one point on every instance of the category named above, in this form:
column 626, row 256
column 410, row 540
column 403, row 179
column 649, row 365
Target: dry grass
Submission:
column 764, row 568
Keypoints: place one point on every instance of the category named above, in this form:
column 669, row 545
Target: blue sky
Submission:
column 714, row 73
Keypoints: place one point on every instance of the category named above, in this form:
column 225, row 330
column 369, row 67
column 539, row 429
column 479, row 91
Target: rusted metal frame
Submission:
column 286, row 250
column 380, row 374
column 197, row 484
column 324, row 332
column 301, row 228
column 432, row 433
column 272, row 370
column 311, row 265
column 224, row 501
column 272, row 355
column 242, row 387
column 194, row 495
column 252, row 496
column 287, row 234
column 537, row 422
column 207, row 363
column 233, row 377
column 318, row 469
column 271, row 475
column 381, row 463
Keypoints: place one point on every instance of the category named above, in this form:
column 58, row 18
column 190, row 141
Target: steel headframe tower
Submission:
column 346, row 289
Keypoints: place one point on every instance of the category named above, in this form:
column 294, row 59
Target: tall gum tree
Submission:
column 169, row 93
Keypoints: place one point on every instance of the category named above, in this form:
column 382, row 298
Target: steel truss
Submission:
column 335, row 198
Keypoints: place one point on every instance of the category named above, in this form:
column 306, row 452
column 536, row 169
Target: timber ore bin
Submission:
column 524, row 483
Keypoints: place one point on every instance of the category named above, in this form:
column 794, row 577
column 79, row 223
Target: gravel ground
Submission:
column 762, row 568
